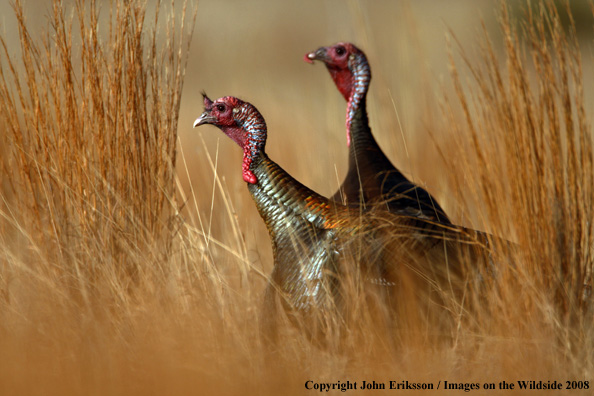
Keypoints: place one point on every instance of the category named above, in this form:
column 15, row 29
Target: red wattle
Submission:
column 248, row 175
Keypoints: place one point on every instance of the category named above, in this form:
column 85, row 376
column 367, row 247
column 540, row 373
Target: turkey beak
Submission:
column 205, row 118
column 319, row 54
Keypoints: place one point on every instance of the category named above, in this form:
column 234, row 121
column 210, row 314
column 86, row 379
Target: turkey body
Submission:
column 371, row 177
column 329, row 256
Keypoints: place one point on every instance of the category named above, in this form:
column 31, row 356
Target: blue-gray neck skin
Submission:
column 248, row 118
column 361, row 79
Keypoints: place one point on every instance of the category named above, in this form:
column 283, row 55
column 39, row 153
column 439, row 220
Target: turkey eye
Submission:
column 220, row 108
column 340, row 51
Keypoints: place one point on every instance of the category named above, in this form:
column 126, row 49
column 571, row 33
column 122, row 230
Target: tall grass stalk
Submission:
column 528, row 139
column 105, row 288
column 91, row 109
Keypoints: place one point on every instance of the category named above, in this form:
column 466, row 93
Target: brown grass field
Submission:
column 133, row 261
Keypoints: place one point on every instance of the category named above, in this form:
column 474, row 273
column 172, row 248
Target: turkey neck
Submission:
column 363, row 149
column 279, row 197
column 364, row 152
column 371, row 175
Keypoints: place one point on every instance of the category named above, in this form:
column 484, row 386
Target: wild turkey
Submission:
column 320, row 245
column 371, row 176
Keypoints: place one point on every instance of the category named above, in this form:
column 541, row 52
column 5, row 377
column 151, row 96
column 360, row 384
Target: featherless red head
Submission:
column 242, row 122
column 349, row 70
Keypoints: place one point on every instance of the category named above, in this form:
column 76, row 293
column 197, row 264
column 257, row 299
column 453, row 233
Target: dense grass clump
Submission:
column 530, row 141
column 109, row 284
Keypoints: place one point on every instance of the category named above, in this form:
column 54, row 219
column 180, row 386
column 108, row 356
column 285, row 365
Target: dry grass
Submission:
column 531, row 144
column 106, row 289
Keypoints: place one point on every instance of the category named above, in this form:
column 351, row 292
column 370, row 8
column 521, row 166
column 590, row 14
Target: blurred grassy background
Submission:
column 254, row 50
